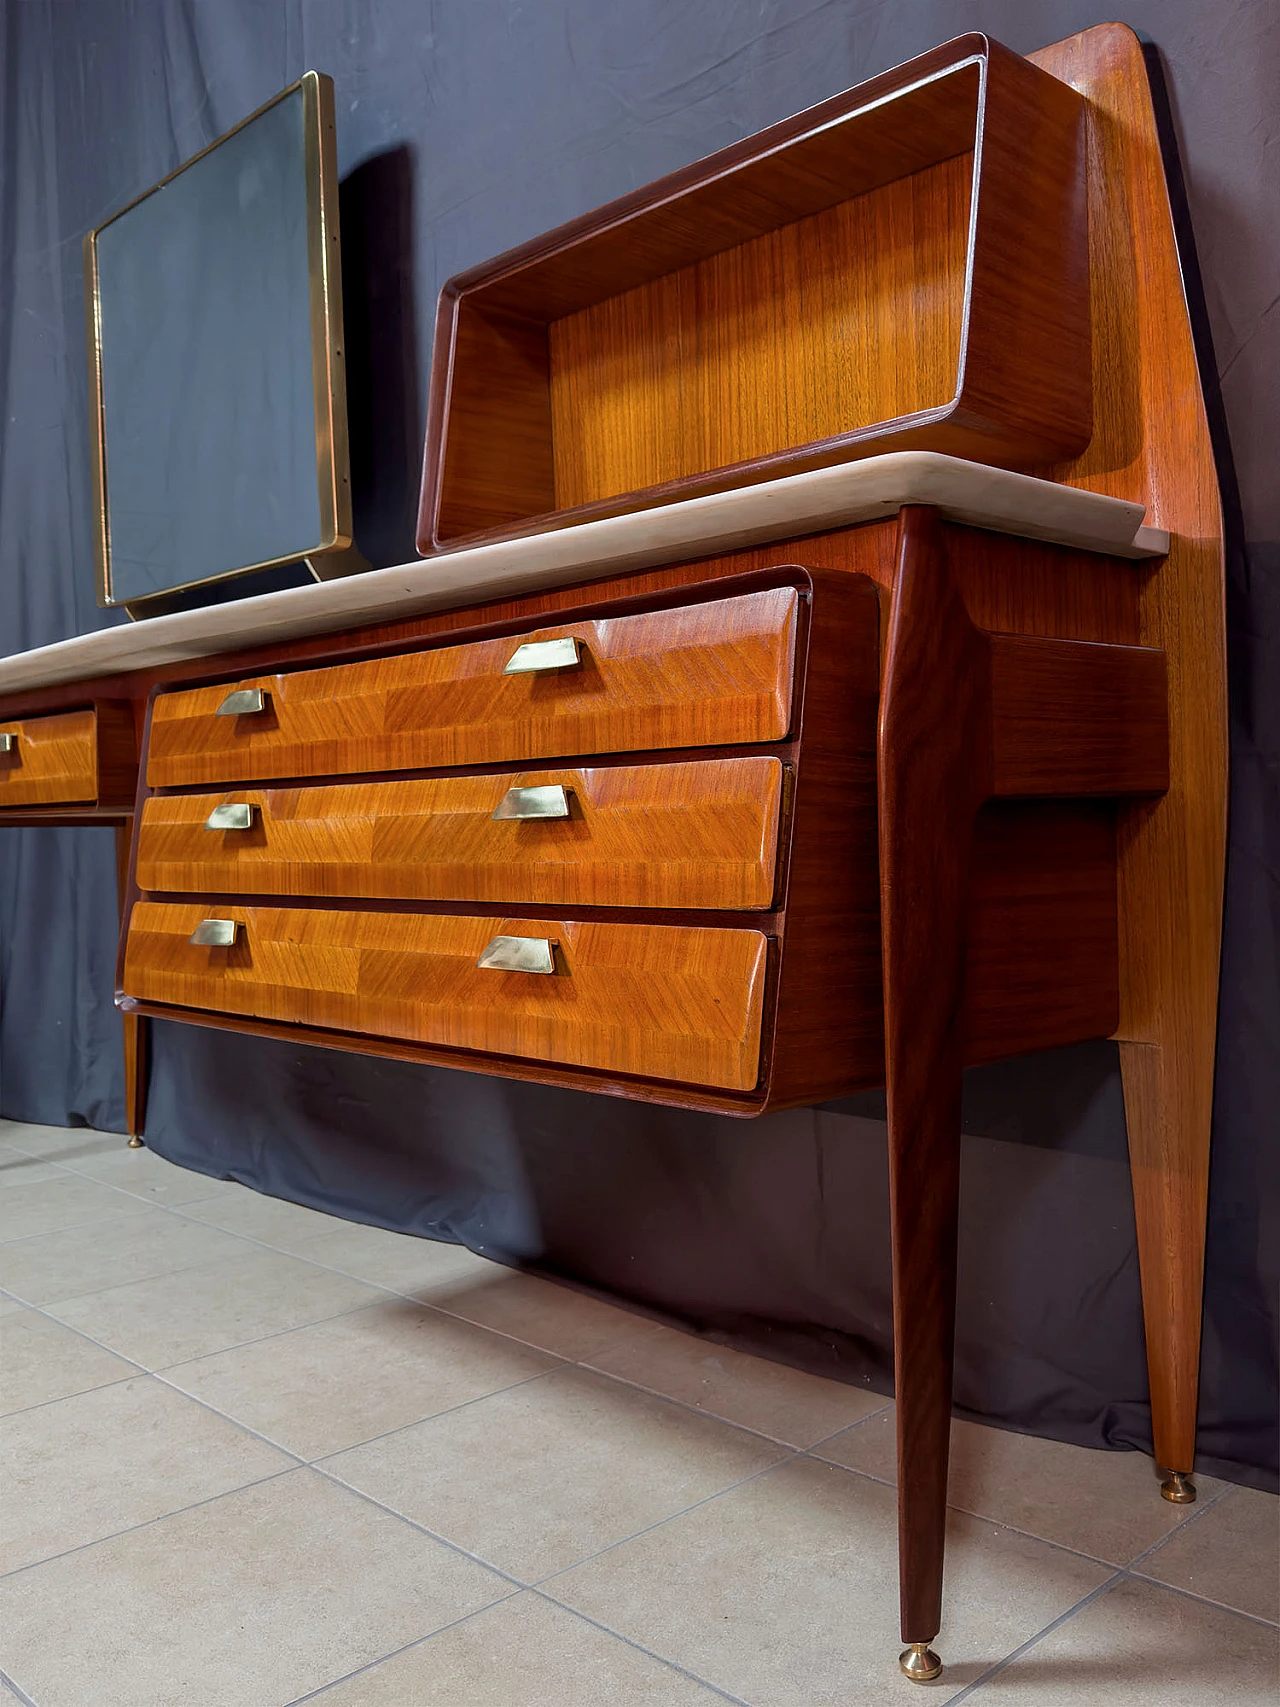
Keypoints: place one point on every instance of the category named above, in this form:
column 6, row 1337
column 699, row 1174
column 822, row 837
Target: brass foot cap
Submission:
column 1178, row 1487
column 135, row 1143
column 919, row 1662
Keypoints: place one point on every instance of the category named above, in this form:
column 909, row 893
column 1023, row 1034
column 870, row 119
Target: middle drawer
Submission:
column 702, row 834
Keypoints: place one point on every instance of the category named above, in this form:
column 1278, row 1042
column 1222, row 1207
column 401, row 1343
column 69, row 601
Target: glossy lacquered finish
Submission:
column 81, row 759
column 663, row 1003
column 700, row 833
column 904, row 266
column 709, row 674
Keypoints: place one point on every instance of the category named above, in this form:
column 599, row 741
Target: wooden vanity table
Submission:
column 842, row 760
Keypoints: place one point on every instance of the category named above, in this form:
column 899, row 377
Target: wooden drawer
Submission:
column 665, row 1002
column 709, row 674
column 73, row 762
column 698, row 834
column 51, row 761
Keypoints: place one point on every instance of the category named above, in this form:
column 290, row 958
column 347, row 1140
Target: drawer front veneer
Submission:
column 667, row 1002
column 702, row 833
column 49, row 761
column 711, row 674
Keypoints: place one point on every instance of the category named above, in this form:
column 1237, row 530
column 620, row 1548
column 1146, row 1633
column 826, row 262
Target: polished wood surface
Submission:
column 658, row 1001
column 680, row 835
column 815, row 293
column 935, row 738
column 778, row 342
column 54, row 761
column 1151, row 442
column 716, row 673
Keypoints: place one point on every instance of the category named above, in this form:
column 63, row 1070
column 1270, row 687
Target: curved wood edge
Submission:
column 1152, row 443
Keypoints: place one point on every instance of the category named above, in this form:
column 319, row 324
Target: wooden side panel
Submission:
column 829, row 1022
column 53, row 761
column 697, row 834
column 1041, row 966
column 680, row 1003
column 713, row 674
column 1151, row 442
column 497, row 452
column 1078, row 719
column 796, row 336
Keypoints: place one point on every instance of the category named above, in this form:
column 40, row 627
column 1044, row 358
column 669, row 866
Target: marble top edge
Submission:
column 800, row 504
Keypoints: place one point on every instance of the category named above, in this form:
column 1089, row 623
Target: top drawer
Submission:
column 710, row 674
column 49, row 761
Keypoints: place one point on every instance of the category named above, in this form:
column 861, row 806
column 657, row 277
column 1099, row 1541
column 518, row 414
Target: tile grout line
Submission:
column 317, row 1462
column 627, row 1641
column 1204, row 1507
column 1200, row 1599
column 149, row 1522
column 18, row 1694
column 406, row 1647
column 1001, row 1665
column 479, row 1612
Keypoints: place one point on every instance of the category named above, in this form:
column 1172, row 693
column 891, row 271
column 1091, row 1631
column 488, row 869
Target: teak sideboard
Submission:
column 853, row 765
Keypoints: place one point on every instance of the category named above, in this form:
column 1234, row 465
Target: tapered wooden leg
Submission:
column 1171, row 867
column 1168, row 1111
column 934, row 763
column 135, row 1076
column 135, row 1028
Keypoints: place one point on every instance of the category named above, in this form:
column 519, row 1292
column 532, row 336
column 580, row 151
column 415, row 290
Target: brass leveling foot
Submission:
column 1178, row 1487
column 919, row 1662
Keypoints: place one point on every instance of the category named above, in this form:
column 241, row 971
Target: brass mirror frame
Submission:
column 333, row 554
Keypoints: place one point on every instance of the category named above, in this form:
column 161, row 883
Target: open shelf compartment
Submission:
column 902, row 267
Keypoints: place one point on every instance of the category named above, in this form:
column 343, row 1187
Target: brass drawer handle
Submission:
column 519, row 954
column 230, row 818
column 561, row 654
column 8, row 743
column 214, row 933
column 243, row 703
column 549, row 801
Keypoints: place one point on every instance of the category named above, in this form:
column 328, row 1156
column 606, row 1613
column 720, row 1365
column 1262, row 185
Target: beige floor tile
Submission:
column 397, row 1260
column 543, row 1475
column 784, row 1403
column 145, row 1175
column 251, row 1600
column 1141, row 1646
column 319, row 1389
column 41, row 1360
column 19, row 1169
column 66, row 1144
column 8, row 1305
column 208, row 1309
column 270, row 1220
column 87, row 1467
column 521, row 1653
column 1106, row 1504
column 784, row 1592
column 554, row 1318
column 49, row 1205
column 140, row 1245
column 1231, row 1554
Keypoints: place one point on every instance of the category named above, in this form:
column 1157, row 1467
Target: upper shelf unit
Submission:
column 904, row 266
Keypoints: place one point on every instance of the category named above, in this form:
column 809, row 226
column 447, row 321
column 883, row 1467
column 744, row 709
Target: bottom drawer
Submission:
column 655, row 1001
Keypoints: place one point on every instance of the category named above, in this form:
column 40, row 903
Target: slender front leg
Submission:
column 934, row 772
column 135, row 1028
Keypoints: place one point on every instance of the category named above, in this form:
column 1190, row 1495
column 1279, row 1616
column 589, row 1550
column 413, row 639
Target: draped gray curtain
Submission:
column 464, row 127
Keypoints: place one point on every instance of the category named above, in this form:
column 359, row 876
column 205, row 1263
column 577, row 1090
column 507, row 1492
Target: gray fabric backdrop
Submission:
column 466, row 126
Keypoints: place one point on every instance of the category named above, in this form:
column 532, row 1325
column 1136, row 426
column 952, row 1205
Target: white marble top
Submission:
column 642, row 539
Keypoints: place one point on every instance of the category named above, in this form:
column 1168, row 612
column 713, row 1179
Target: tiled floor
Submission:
column 253, row 1457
